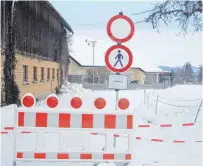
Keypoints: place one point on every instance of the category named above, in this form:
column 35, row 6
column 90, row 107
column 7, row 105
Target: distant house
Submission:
column 41, row 46
column 157, row 77
column 81, row 59
column 77, row 72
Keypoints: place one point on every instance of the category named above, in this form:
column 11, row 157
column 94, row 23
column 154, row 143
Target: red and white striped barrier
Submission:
column 142, row 126
column 8, row 128
column 165, row 125
column 168, row 141
column 51, row 119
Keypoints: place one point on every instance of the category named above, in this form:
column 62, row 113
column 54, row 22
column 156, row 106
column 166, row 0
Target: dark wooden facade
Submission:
column 36, row 30
column 39, row 28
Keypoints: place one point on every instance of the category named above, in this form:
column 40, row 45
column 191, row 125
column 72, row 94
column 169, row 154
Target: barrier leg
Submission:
column 14, row 163
column 114, row 142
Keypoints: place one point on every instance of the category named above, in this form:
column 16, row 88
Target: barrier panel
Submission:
column 61, row 123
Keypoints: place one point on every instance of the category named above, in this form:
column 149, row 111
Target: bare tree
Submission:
column 200, row 74
column 101, row 75
column 67, row 43
column 10, row 86
column 89, row 76
column 187, row 14
column 187, row 73
column 70, row 44
column 178, row 79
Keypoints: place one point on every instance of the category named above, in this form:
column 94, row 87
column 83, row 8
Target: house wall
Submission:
column 151, row 78
column 75, row 69
column 37, row 89
column 137, row 74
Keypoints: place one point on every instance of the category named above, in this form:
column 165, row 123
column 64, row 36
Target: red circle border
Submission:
column 131, row 31
column 108, row 65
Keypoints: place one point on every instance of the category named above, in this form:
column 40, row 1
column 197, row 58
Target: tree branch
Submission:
column 187, row 14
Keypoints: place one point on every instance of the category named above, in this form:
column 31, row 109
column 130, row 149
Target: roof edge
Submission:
column 75, row 60
column 62, row 19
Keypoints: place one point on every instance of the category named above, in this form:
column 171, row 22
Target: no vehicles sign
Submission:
column 120, row 28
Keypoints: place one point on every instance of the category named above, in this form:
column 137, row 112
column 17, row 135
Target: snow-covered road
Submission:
column 146, row 152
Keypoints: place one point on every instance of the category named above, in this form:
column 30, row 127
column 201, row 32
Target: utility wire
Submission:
column 177, row 105
column 175, row 99
column 179, row 99
column 134, row 14
column 138, row 22
column 174, row 104
column 143, row 12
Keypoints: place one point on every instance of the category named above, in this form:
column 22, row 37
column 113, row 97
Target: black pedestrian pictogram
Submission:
column 119, row 57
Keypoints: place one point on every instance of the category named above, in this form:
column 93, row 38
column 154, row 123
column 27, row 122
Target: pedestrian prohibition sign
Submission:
column 118, row 58
column 120, row 28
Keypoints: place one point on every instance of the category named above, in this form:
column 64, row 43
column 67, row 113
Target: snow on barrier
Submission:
column 43, row 121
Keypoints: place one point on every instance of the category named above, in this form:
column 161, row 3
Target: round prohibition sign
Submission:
column 125, row 19
column 124, row 68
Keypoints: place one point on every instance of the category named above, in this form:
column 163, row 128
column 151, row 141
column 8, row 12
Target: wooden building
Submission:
column 41, row 47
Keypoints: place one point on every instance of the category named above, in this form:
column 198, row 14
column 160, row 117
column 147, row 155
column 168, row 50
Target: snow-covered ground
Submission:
column 170, row 110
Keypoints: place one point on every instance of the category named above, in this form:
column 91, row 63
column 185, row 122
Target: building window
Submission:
column 48, row 73
column 34, row 73
column 42, row 74
column 25, row 73
column 57, row 74
column 53, row 74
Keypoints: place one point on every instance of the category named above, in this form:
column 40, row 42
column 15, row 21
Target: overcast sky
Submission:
column 89, row 18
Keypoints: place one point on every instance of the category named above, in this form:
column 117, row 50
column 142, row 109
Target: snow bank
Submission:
column 146, row 153
column 68, row 90
column 71, row 88
column 7, row 115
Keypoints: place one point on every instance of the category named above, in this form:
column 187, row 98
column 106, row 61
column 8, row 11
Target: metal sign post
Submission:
column 117, row 90
column 117, row 95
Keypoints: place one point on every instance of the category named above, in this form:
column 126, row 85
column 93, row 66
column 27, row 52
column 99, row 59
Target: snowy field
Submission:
column 171, row 109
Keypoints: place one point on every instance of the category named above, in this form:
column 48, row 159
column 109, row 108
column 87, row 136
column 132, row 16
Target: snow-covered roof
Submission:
column 83, row 54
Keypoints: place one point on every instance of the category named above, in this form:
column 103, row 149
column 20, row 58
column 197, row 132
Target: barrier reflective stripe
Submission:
column 71, row 120
column 166, row 125
column 64, row 120
column 73, row 155
column 8, row 128
column 62, row 156
column 129, row 121
column 188, row 124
